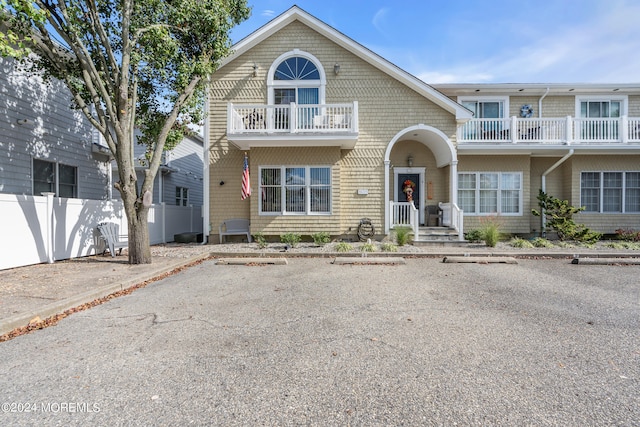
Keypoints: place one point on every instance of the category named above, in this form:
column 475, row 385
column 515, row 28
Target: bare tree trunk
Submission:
column 139, row 249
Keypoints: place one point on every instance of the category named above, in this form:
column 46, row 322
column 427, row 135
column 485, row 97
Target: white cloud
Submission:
column 268, row 13
column 600, row 49
column 379, row 20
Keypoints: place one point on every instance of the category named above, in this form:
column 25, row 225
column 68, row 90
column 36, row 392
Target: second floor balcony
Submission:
column 290, row 125
column 551, row 131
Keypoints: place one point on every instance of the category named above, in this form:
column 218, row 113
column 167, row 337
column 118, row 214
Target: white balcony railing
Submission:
column 568, row 130
column 292, row 118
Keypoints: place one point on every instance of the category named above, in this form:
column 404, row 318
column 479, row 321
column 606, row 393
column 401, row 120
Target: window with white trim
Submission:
column 606, row 192
column 485, row 108
column 295, row 77
column 52, row 177
column 295, row 190
column 490, row 193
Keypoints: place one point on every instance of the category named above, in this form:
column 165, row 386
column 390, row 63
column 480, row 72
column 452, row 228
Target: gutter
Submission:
column 205, row 170
column 540, row 103
column 544, row 185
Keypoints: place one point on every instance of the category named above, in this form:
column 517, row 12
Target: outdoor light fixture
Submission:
column 23, row 121
column 255, row 70
column 336, row 69
column 410, row 160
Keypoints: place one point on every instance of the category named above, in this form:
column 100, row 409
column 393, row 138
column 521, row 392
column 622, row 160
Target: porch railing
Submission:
column 453, row 217
column 292, row 118
column 405, row 214
column 567, row 130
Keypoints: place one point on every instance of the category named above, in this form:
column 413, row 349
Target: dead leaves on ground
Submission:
column 36, row 323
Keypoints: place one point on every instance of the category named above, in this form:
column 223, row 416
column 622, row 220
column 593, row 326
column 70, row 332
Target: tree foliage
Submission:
column 559, row 217
column 128, row 64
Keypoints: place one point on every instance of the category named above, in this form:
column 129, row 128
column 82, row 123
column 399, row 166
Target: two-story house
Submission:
column 335, row 133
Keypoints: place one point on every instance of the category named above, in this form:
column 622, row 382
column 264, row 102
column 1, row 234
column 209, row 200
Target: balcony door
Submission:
column 599, row 119
column 491, row 113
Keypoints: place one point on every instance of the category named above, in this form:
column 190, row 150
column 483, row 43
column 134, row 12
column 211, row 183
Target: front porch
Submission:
column 441, row 227
column 424, row 158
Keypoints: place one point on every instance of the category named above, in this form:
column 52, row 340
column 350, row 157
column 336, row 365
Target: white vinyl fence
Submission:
column 38, row 229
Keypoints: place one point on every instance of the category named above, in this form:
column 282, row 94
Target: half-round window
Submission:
column 296, row 68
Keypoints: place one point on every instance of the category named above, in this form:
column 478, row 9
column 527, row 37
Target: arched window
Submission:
column 296, row 77
column 296, row 68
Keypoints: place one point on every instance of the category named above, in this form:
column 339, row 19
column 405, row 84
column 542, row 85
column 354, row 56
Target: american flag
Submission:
column 246, row 185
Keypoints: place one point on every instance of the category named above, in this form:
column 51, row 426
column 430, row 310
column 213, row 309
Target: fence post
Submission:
column 163, row 210
column 49, row 226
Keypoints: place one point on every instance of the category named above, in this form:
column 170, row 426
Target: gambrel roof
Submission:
column 297, row 14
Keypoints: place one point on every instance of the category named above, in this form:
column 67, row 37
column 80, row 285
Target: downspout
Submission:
column 540, row 103
column 544, row 186
column 205, row 170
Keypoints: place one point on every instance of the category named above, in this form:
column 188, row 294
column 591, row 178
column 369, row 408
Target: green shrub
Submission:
column 559, row 217
column 540, row 242
column 473, row 236
column 490, row 231
column 291, row 239
column 260, row 240
column 389, row 247
column 368, row 247
column 344, row 247
column 518, row 242
column 403, row 234
column 321, row 238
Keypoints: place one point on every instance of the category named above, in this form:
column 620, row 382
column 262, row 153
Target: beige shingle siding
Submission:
column 634, row 106
column 385, row 108
column 558, row 106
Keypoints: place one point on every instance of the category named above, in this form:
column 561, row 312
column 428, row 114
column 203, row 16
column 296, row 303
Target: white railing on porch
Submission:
column 292, row 118
column 453, row 217
column 405, row 214
column 564, row 130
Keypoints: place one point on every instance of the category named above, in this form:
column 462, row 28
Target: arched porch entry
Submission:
column 443, row 153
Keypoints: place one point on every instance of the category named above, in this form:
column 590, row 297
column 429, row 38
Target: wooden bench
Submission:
column 235, row 227
column 109, row 232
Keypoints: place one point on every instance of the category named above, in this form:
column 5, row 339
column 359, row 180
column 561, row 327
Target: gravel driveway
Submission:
column 541, row 343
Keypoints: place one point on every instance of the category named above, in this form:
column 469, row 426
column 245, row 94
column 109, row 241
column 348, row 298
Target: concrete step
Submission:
column 439, row 236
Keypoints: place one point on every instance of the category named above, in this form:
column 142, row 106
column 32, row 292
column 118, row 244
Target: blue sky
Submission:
column 490, row 41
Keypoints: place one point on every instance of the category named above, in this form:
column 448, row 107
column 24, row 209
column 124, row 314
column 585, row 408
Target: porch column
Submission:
column 387, row 163
column 453, row 188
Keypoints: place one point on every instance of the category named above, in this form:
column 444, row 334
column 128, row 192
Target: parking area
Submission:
column 540, row 342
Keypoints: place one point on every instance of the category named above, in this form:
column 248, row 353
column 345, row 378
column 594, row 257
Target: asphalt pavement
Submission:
column 312, row 342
